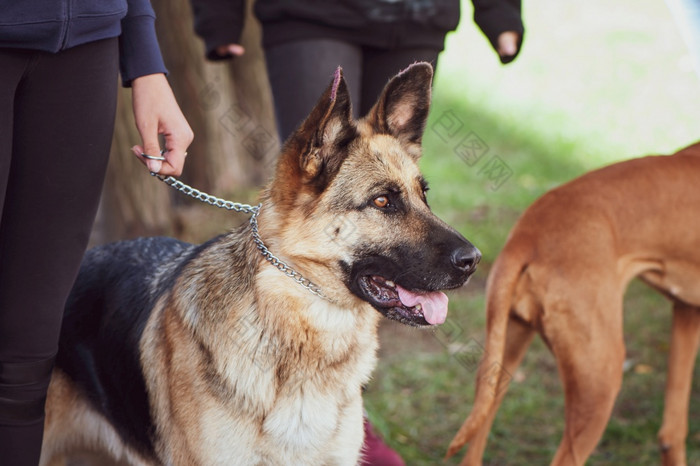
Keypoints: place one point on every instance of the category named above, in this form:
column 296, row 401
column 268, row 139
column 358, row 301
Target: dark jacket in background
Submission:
column 377, row 23
column 55, row 25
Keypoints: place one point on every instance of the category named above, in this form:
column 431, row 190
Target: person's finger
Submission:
column 152, row 148
column 151, row 164
column 229, row 50
column 236, row 49
column 174, row 162
column 508, row 43
column 176, row 144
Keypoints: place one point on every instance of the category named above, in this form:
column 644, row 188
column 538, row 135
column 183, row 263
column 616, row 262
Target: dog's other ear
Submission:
column 321, row 140
column 402, row 108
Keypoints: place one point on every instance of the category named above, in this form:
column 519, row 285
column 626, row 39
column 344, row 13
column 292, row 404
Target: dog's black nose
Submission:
column 465, row 258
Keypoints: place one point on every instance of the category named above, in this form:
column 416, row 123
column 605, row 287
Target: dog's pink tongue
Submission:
column 434, row 304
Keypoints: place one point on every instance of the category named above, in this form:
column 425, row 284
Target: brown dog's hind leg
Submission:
column 518, row 339
column 588, row 343
column 685, row 338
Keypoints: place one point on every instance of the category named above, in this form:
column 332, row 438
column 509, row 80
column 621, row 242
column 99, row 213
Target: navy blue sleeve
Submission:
column 139, row 52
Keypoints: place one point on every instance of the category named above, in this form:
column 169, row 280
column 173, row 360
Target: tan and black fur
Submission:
column 563, row 273
column 208, row 355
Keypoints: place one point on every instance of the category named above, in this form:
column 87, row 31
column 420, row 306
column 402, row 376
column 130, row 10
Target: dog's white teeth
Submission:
column 419, row 307
column 389, row 283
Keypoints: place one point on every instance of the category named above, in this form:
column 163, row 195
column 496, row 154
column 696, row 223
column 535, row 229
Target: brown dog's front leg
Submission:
column 685, row 338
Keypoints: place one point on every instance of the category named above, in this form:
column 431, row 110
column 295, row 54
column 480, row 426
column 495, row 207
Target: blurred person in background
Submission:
column 305, row 40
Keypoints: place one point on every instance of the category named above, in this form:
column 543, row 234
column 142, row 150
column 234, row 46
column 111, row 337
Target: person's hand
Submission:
column 156, row 112
column 508, row 43
column 230, row 50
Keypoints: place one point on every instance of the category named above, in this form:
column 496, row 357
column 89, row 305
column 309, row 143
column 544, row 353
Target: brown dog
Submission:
column 563, row 273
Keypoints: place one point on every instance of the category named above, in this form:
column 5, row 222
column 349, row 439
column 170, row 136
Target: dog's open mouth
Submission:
column 417, row 308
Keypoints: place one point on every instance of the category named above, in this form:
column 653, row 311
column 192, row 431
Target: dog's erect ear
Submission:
column 402, row 108
column 325, row 134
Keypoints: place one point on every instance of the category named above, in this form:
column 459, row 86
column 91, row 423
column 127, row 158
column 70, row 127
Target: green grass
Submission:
column 596, row 82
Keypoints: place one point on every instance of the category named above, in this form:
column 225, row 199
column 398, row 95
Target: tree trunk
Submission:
column 229, row 107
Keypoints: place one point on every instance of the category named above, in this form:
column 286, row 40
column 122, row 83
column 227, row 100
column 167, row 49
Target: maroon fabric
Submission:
column 376, row 452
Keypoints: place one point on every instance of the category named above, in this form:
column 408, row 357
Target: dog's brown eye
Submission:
column 381, row 201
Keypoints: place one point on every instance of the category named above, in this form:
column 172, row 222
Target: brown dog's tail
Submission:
column 500, row 290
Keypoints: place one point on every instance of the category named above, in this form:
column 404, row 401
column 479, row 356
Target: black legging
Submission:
column 300, row 71
column 56, row 124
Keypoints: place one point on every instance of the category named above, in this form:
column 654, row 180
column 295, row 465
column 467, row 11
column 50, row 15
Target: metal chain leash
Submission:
column 279, row 263
column 207, row 198
column 246, row 209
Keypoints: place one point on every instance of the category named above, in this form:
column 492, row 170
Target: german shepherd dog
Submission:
column 179, row 354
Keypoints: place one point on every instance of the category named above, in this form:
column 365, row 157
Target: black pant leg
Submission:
column 62, row 123
column 380, row 65
column 300, row 71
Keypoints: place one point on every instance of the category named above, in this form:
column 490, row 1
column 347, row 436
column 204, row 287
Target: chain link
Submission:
column 207, row 198
column 277, row 262
column 246, row 209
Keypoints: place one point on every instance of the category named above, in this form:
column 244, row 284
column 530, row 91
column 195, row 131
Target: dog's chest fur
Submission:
column 281, row 371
